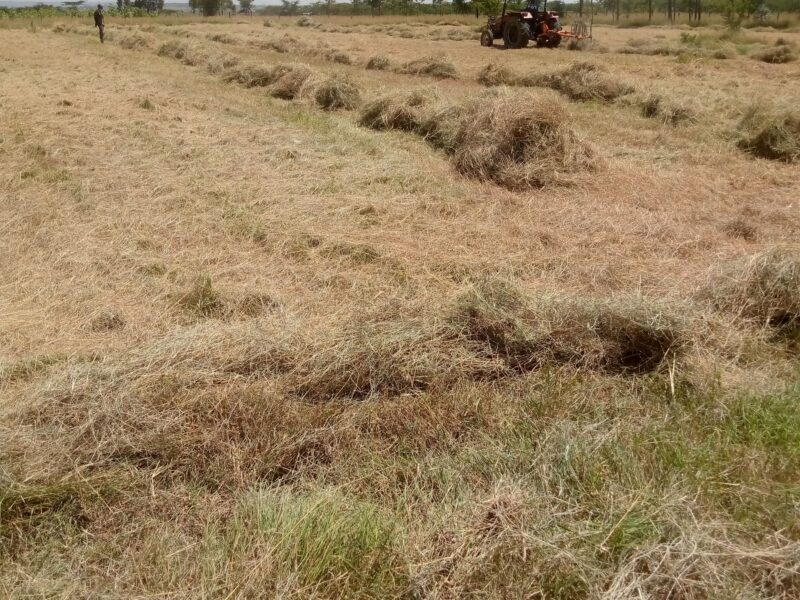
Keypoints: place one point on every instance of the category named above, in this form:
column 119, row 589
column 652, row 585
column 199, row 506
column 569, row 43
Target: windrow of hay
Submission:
column 397, row 111
column 294, row 81
column 516, row 140
column 251, row 75
column 378, row 62
column 587, row 81
column 763, row 288
column 778, row 54
column 521, row 141
column 771, row 132
column 337, row 92
column 665, row 110
column 186, row 52
column 439, row 67
column 135, row 39
column 493, row 74
column 622, row 336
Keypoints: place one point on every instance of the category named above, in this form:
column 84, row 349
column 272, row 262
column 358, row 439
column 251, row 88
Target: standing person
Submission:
column 100, row 22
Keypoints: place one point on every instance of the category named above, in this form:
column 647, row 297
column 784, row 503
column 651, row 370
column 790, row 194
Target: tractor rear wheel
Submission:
column 487, row 38
column 516, row 34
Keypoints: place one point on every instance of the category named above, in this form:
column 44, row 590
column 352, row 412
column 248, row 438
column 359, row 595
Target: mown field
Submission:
column 361, row 309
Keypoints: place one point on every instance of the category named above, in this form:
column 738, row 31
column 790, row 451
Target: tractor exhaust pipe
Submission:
column 504, row 8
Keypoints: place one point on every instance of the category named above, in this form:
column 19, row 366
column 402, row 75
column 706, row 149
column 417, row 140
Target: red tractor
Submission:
column 517, row 28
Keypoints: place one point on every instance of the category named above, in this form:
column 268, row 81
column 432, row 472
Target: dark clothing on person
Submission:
column 100, row 23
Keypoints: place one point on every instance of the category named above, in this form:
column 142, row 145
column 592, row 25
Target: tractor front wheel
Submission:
column 487, row 38
column 516, row 34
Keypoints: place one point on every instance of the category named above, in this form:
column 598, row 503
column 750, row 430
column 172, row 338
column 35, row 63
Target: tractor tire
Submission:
column 516, row 34
column 487, row 38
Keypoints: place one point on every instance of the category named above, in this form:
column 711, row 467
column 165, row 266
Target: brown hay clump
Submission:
column 434, row 66
column 338, row 56
column 306, row 21
column 586, row 81
column 763, row 288
column 336, row 93
column 779, row 54
column 771, row 133
column 404, row 111
column 441, row 127
column 492, row 74
column 221, row 61
column 293, row 82
column 254, row 75
column 135, row 40
column 520, row 141
column 186, row 52
column 667, row 111
column 619, row 337
column 378, row 63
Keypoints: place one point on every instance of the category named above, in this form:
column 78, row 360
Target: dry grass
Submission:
column 249, row 348
column 136, row 40
column 770, row 132
column 337, row 93
column 763, row 288
column 521, row 140
column 378, row 63
column 667, row 111
column 528, row 334
column 439, row 67
column 393, row 111
column 778, row 54
column 587, row 81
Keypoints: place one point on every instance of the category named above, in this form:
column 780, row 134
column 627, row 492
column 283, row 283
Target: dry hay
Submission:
column 493, row 74
column 221, row 61
column 294, row 81
column 520, row 140
column 337, row 92
column 397, row 111
column 633, row 336
column 306, row 21
column 135, row 39
column 337, row 56
column 252, row 75
column 223, row 38
column 186, row 52
column 439, row 67
column 441, row 127
column 763, row 288
column 647, row 47
column 378, row 63
column 770, row 133
column 782, row 52
column 586, row 81
column 667, row 111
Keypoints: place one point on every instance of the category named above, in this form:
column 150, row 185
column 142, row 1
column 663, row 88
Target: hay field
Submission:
column 365, row 310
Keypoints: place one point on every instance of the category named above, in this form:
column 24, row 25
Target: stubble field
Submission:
column 361, row 309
